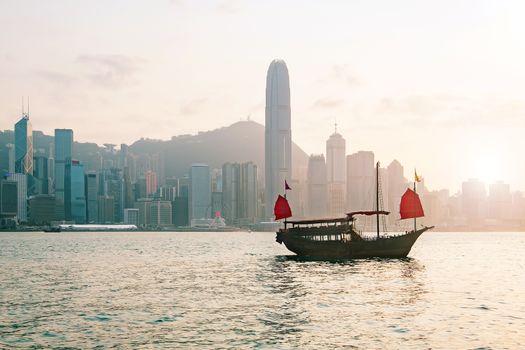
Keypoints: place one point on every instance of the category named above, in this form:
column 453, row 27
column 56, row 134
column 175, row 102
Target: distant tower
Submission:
column 24, row 146
column 63, row 154
column 278, row 135
column 336, row 173
column 317, row 203
column 200, row 192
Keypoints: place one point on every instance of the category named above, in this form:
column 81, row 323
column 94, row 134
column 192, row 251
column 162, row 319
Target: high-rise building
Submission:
column 11, row 157
column 24, row 146
column 151, row 183
column 230, row 192
column 106, row 209
column 8, row 198
column 200, row 192
column 239, row 193
column 397, row 185
column 474, row 201
column 41, row 209
column 75, row 196
column 63, row 154
column 40, row 174
column 500, row 201
column 248, row 191
column 336, row 174
column 131, row 216
column 317, row 193
column 278, row 134
column 21, row 212
column 92, row 193
column 360, row 173
column 160, row 213
column 112, row 184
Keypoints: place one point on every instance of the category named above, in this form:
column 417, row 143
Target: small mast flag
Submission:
column 416, row 177
column 286, row 187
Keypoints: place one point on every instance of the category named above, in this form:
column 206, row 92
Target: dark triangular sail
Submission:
column 282, row 208
column 410, row 206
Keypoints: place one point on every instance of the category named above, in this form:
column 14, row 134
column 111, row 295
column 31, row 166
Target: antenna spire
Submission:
column 335, row 124
column 22, row 105
column 27, row 106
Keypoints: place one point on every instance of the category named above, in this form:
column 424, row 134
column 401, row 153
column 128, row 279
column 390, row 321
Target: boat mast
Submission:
column 415, row 218
column 377, row 198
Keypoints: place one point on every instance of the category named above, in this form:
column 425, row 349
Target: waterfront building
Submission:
column 500, row 201
column 75, row 196
column 106, row 209
column 230, row 192
column 8, row 199
column 180, row 213
column 63, row 153
column 473, row 202
column 112, row 185
column 40, row 174
column 248, row 193
column 151, row 183
column 160, row 213
column 41, row 209
column 278, row 134
column 91, row 181
column 397, row 185
column 336, row 174
column 239, row 193
column 24, row 146
column 21, row 212
column 317, row 192
column 131, row 216
column 200, row 192
column 360, row 186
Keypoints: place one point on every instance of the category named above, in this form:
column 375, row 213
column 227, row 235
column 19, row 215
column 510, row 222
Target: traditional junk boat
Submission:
column 339, row 238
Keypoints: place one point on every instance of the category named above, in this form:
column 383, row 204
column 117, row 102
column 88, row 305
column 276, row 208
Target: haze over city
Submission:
column 438, row 86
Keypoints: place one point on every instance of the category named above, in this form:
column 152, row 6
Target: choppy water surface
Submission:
column 242, row 290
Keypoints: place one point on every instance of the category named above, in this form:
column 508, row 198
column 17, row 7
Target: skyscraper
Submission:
column 316, row 200
column 360, row 181
column 200, row 192
column 91, row 181
column 75, row 192
column 336, row 174
column 24, row 146
column 278, row 135
column 63, row 153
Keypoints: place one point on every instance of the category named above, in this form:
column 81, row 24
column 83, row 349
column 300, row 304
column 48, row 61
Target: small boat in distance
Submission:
column 338, row 238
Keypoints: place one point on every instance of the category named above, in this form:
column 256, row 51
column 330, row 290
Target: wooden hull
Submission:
column 384, row 247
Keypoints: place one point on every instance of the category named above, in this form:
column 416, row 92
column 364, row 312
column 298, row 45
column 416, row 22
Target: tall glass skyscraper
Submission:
column 278, row 136
column 24, row 146
column 63, row 154
column 75, row 201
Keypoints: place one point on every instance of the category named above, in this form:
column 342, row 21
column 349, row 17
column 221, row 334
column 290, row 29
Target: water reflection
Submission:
column 312, row 294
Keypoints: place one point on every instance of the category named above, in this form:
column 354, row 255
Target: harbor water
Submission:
column 240, row 290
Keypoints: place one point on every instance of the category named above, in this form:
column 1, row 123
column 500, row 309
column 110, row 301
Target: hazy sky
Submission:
column 439, row 85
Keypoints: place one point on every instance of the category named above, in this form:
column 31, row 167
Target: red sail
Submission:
column 282, row 209
column 410, row 206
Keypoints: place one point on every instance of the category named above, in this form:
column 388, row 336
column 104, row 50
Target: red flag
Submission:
column 286, row 187
column 282, row 208
column 410, row 206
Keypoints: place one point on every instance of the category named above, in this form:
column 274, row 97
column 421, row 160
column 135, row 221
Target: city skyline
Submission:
column 441, row 93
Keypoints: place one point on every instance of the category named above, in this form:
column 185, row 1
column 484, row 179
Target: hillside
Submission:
column 239, row 142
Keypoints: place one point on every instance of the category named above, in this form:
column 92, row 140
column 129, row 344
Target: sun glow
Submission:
column 487, row 158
